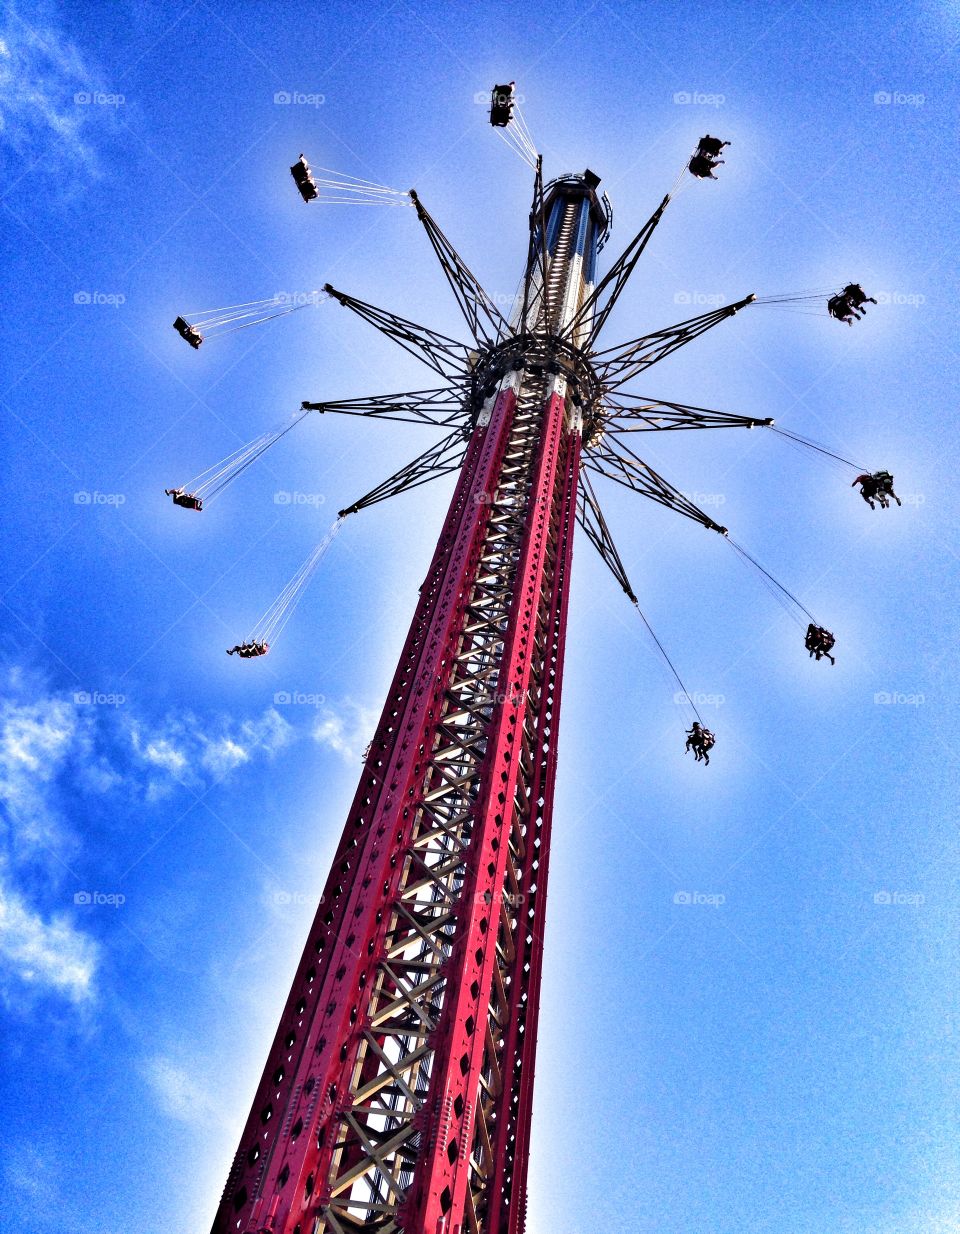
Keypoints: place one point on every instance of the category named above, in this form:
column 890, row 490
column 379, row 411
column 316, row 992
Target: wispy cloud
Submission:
column 54, row 753
column 177, row 1092
column 42, row 76
column 47, row 954
column 347, row 730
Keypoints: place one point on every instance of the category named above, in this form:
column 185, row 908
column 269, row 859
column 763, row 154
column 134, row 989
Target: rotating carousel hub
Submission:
column 536, row 354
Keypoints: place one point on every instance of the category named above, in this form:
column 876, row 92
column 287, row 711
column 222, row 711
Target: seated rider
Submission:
column 884, row 483
column 711, row 146
column 839, row 306
column 819, row 642
column 868, row 488
column 181, row 498
column 699, row 740
column 247, row 651
column 857, row 296
column 702, row 167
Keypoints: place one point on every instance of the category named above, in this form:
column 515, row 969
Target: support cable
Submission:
column 210, row 483
column 273, row 621
column 591, row 519
column 747, row 557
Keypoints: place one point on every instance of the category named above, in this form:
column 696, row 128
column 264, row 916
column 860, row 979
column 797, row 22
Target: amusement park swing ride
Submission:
column 397, row 1093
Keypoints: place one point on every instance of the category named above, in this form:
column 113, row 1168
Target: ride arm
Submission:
column 615, row 279
column 487, row 324
column 618, row 462
column 617, row 365
column 442, row 458
column 444, row 355
column 633, row 413
column 590, row 517
column 443, row 407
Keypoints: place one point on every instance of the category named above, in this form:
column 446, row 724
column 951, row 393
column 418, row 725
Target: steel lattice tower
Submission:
column 398, row 1090
column 397, row 1094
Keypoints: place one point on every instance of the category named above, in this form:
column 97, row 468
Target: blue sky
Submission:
column 778, row 1054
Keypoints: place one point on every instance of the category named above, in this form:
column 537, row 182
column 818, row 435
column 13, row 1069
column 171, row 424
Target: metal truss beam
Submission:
column 443, row 354
column 439, row 460
column 617, row 365
column 635, row 413
column 614, row 281
column 442, row 407
column 618, row 462
column 487, row 324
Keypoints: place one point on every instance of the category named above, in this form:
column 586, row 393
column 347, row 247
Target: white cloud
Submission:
column 347, row 732
column 186, row 747
column 51, row 953
column 35, row 739
column 41, row 73
column 177, row 1092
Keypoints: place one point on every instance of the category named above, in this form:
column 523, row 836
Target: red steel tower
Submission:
column 397, row 1094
